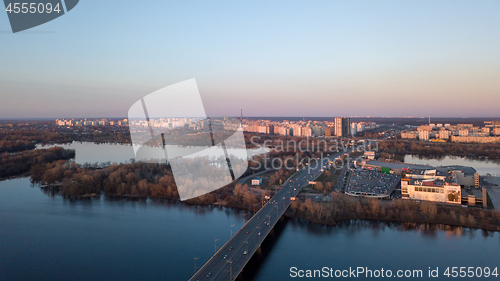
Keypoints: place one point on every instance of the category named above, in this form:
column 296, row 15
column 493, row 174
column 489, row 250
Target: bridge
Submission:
column 230, row 259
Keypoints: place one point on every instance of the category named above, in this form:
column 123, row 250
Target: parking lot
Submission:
column 371, row 183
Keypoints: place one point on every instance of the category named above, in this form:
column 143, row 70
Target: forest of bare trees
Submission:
column 134, row 180
column 399, row 148
column 345, row 208
column 20, row 163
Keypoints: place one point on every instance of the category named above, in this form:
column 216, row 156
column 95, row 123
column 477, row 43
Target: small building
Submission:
column 370, row 155
column 256, row 181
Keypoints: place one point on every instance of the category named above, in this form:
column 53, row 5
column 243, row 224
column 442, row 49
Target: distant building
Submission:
column 475, row 139
column 444, row 134
column 338, row 127
column 270, row 129
column 409, row 135
column 463, row 132
column 342, row 126
column 346, row 127
column 423, row 135
column 297, row 131
column 496, row 131
column 88, row 122
column 318, row 131
column 328, row 132
column 354, row 128
column 306, row 132
column 495, row 123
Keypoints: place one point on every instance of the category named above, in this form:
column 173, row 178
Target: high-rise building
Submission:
column 342, row 126
column 306, row 132
column 297, row 131
column 346, row 126
column 338, row 127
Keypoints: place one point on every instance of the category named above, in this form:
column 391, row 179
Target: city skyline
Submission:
column 256, row 140
column 340, row 59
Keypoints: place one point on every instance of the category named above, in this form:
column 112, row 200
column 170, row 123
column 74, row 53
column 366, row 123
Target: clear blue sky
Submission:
column 271, row 58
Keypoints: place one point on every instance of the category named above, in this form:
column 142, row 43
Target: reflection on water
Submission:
column 87, row 152
column 482, row 167
column 52, row 238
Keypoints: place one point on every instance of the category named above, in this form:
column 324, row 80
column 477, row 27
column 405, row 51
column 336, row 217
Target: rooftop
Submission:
column 398, row 165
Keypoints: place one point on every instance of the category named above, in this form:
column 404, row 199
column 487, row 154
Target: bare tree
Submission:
column 428, row 209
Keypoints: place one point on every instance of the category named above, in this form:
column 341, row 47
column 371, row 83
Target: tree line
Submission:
column 156, row 181
column 15, row 146
column 132, row 180
column 345, row 208
column 20, row 163
column 399, row 148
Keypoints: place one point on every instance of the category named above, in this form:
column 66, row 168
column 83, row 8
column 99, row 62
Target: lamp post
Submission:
column 216, row 245
column 232, row 230
column 195, row 264
column 230, row 270
column 246, row 242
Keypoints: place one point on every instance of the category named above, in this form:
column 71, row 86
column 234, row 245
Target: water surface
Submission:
column 45, row 238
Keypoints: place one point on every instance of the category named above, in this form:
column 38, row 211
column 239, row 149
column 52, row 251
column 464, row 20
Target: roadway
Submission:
column 231, row 258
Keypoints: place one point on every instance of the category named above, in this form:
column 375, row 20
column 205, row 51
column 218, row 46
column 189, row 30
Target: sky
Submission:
column 269, row 58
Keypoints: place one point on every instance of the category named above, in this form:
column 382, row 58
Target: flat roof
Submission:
column 398, row 165
column 477, row 193
column 469, row 171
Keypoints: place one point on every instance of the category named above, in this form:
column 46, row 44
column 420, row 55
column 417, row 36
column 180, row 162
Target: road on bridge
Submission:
column 231, row 258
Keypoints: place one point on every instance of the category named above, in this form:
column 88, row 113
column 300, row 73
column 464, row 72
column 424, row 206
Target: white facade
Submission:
column 422, row 190
column 423, row 135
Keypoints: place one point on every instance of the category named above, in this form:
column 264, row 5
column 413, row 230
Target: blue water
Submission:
column 45, row 238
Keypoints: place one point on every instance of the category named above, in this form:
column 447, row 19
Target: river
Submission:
column 482, row 167
column 52, row 238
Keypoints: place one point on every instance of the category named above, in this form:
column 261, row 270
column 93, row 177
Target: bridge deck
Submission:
column 231, row 258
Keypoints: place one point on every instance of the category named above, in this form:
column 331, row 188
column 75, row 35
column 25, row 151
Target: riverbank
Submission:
column 138, row 181
column 101, row 239
column 344, row 208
